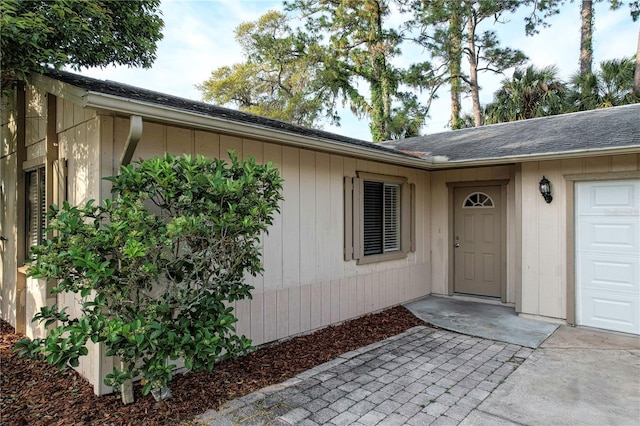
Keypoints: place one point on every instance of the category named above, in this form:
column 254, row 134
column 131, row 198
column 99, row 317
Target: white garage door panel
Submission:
column 608, row 255
column 612, row 312
column 611, row 273
column 607, row 197
column 613, row 233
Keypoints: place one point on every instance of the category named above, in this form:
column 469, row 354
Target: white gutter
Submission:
column 438, row 162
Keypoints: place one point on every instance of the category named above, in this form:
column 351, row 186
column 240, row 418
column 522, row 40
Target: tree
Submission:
column 586, row 37
column 359, row 53
column 483, row 51
column 38, row 34
column 530, row 93
column 281, row 77
column 440, row 31
column 449, row 29
column 155, row 287
column 543, row 9
column 612, row 85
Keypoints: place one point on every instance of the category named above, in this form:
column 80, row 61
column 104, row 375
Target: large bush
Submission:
column 157, row 267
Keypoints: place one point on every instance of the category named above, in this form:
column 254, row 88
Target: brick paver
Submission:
column 424, row 376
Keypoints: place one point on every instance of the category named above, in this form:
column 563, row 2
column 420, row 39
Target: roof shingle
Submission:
column 615, row 127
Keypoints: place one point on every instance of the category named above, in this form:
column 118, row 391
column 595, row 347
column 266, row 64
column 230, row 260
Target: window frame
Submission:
column 354, row 217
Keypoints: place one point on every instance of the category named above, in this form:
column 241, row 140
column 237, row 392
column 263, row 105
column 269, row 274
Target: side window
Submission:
column 36, row 209
column 379, row 218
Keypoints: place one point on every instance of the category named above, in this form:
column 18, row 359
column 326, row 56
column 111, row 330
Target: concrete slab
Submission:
column 478, row 418
column 590, row 338
column 485, row 320
column 565, row 386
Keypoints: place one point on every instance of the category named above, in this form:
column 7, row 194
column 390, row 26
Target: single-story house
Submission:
column 362, row 226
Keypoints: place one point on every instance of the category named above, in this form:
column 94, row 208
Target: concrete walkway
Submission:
column 577, row 377
column 487, row 320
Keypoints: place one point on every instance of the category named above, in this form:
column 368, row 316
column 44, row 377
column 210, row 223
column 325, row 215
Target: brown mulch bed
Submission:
column 35, row 393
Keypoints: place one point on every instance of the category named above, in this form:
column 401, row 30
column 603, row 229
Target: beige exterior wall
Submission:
column 307, row 284
column 76, row 136
column 8, row 195
column 36, row 143
column 544, row 231
column 440, row 234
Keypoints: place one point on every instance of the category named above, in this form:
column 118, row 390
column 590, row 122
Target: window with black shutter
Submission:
column 378, row 217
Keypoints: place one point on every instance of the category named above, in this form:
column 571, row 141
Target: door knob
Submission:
column 456, row 245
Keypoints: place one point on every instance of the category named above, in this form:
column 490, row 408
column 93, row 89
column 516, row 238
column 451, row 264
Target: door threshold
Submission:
column 480, row 299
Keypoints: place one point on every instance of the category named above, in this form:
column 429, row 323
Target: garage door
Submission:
column 608, row 255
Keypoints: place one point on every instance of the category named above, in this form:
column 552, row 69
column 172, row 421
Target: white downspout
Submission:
column 135, row 133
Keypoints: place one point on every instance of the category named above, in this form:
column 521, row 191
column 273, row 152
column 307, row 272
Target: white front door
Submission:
column 608, row 255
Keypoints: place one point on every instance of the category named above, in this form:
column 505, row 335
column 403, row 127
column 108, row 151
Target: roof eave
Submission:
column 153, row 112
column 206, row 122
column 490, row 161
column 200, row 121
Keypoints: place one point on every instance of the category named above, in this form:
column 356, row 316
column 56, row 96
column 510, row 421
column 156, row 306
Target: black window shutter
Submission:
column 391, row 218
column 373, row 217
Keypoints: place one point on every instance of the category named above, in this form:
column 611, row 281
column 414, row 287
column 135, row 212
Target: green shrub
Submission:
column 157, row 267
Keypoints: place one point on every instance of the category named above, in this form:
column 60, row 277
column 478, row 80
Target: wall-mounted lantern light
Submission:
column 545, row 189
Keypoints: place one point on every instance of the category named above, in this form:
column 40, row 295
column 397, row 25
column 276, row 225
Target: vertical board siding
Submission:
column 254, row 149
column 544, row 243
column 180, row 141
column 290, row 172
column 243, row 312
column 315, row 308
column 439, row 232
column 207, row 144
column 257, row 318
column 230, row 143
column 323, row 213
column 153, row 142
column 273, row 242
column 330, row 307
column 105, row 140
column 305, row 308
column 336, row 221
column 308, row 217
column 306, row 283
column 282, row 313
column 550, row 235
column 8, row 257
column 36, row 123
column 270, row 313
column 294, row 311
column 597, row 164
column 531, row 200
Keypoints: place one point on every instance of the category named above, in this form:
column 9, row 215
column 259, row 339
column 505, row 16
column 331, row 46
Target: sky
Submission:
column 199, row 37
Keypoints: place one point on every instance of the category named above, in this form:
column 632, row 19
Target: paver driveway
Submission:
column 420, row 377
